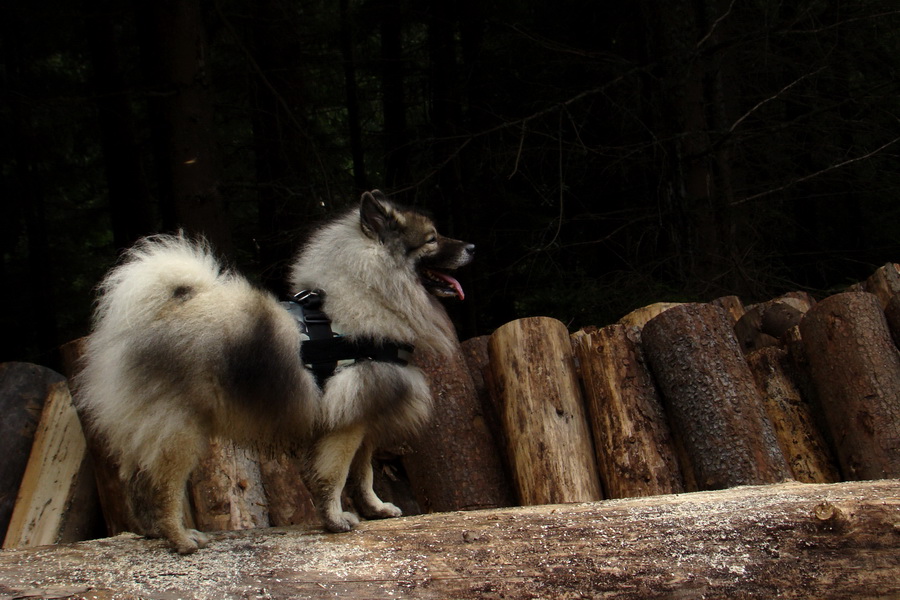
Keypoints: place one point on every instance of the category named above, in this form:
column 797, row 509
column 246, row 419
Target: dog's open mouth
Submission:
column 441, row 284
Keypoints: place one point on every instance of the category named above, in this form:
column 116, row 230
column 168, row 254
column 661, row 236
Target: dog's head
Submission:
column 412, row 237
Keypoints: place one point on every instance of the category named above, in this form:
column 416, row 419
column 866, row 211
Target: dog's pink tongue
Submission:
column 453, row 283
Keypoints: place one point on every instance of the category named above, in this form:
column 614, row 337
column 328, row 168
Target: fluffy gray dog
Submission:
column 183, row 349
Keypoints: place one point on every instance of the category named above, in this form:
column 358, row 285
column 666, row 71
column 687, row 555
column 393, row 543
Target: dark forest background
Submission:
column 602, row 155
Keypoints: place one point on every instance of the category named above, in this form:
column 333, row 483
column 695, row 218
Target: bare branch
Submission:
column 715, row 25
column 770, row 98
column 817, row 173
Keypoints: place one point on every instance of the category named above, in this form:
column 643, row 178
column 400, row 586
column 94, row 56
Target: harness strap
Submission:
column 324, row 349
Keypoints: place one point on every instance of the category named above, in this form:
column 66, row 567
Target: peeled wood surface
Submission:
column 226, row 489
column 783, row 541
column 634, row 448
column 50, row 483
column 791, row 415
column 639, row 317
column 712, row 398
column 856, row 370
column 545, row 428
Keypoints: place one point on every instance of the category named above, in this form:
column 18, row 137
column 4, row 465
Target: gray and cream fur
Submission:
column 183, row 349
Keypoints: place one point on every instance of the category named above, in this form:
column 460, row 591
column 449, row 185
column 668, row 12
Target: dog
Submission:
column 183, row 349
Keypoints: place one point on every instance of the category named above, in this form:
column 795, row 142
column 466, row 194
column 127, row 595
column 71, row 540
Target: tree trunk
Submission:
column 455, row 463
column 396, row 137
column 788, row 541
column 856, row 370
column 712, row 398
column 175, row 54
column 354, row 126
column 791, row 415
column 548, row 440
column 634, row 448
column 130, row 202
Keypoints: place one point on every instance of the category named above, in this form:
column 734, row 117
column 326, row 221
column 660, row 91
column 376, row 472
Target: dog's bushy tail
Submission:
column 150, row 274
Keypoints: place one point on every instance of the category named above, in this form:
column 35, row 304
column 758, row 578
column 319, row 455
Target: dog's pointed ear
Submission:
column 376, row 215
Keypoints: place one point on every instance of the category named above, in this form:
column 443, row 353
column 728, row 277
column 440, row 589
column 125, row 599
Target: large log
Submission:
column 455, row 460
column 635, row 452
column 547, row 437
column 23, row 390
column 783, row 541
column 712, row 398
column 855, row 367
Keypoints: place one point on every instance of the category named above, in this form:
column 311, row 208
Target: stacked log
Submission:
column 856, row 369
column 712, row 399
column 634, row 448
column 547, row 439
column 454, row 462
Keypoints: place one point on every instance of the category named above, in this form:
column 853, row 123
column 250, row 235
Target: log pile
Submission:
column 674, row 398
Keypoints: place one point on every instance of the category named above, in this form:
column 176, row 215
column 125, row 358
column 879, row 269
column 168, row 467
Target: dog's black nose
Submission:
column 470, row 249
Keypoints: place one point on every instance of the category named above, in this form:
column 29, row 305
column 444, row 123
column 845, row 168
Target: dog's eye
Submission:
column 431, row 239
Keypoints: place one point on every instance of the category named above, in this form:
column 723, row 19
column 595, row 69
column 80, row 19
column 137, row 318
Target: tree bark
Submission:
column 634, row 448
column 548, row 440
column 790, row 541
column 455, row 460
column 791, row 415
column 856, row 370
column 712, row 398
column 892, row 314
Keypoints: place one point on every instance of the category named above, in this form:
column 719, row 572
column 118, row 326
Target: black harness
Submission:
column 322, row 349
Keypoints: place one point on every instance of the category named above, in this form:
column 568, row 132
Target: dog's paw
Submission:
column 191, row 542
column 341, row 522
column 384, row 510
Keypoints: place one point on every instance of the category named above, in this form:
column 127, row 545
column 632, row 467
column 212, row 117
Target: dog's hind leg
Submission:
column 328, row 464
column 359, row 485
column 169, row 475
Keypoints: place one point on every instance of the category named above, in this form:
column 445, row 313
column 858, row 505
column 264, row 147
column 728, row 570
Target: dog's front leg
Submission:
column 359, row 485
column 326, row 473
